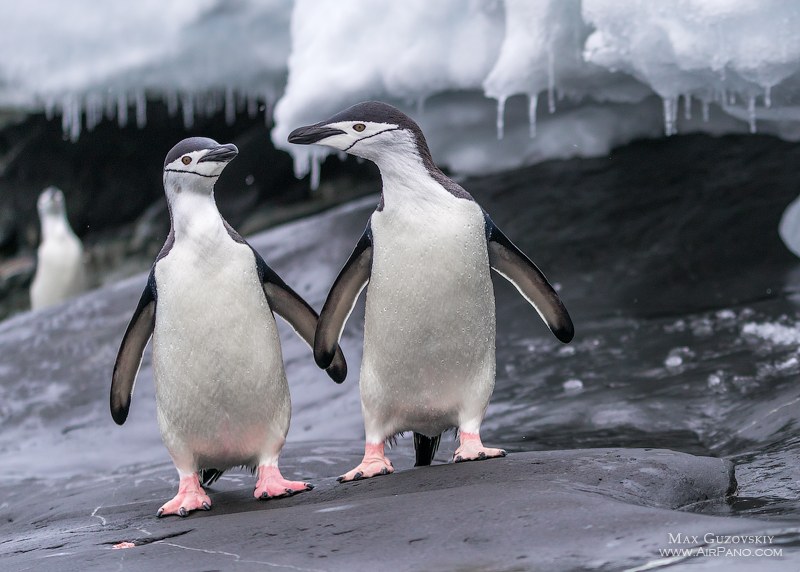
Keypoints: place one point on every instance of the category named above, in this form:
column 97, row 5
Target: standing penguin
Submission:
column 60, row 272
column 221, row 392
column 429, row 332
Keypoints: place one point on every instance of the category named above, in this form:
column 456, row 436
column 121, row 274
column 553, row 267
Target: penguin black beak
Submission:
column 312, row 134
column 220, row 154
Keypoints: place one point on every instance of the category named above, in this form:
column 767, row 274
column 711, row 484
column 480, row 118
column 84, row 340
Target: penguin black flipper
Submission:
column 291, row 307
column 512, row 264
column 129, row 357
column 342, row 299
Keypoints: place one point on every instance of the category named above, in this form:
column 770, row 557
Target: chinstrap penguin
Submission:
column 60, row 272
column 221, row 392
column 429, row 332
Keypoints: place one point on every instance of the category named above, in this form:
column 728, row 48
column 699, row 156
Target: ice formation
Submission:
column 495, row 85
column 86, row 60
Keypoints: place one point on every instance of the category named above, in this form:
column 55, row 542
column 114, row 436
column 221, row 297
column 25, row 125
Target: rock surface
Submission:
column 555, row 510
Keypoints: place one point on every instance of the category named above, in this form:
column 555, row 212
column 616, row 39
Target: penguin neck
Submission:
column 55, row 225
column 194, row 216
column 406, row 176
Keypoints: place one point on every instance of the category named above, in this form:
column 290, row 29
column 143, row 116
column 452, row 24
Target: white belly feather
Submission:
column 221, row 390
column 429, row 339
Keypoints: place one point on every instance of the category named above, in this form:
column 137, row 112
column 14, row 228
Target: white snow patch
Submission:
column 774, row 332
column 551, row 78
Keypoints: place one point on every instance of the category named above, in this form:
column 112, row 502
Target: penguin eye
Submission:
column 186, row 160
column 359, row 127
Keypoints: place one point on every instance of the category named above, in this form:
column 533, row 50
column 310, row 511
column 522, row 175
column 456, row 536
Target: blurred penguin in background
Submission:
column 60, row 272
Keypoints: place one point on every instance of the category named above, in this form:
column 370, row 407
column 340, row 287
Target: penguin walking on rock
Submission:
column 429, row 332
column 221, row 392
column 60, row 271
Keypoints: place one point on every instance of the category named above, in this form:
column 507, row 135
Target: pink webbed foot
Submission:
column 374, row 464
column 191, row 496
column 472, row 449
column 271, row 484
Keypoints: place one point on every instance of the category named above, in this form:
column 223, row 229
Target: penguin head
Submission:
column 369, row 129
column 195, row 164
column 51, row 203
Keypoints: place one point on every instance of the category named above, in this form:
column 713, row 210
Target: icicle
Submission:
column 315, row 171
column 687, row 106
column 670, row 112
column 188, row 110
column 76, row 120
column 141, row 109
column 94, row 111
column 71, row 118
column 551, row 85
column 267, row 111
column 706, row 106
column 65, row 117
column 751, row 113
column 768, row 96
column 230, row 106
column 172, row 103
column 122, row 110
column 420, row 106
column 302, row 160
column 501, row 111
column 533, row 101
column 252, row 106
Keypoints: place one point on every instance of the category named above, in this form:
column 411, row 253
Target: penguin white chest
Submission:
column 220, row 383
column 59, row 272
column 429, row 335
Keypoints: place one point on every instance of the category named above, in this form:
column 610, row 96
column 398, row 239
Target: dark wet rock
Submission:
column 556, row 510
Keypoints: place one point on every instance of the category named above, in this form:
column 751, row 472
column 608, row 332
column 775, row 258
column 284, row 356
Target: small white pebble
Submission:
column 573, row 385
column 673, row 361
column 714, row 380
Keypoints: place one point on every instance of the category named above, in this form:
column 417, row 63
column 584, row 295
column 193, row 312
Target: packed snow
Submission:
column 495, row 85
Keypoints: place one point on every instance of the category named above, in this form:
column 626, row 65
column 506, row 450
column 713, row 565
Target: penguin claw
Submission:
column 271, row 484
column 384, row 471
column 472, row 449
column 191, row 496
column 358, row 476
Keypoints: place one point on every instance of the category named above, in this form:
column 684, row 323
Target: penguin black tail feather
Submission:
column 425, row 448
column 209, row 476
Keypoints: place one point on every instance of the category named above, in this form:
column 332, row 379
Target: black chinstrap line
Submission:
column 370, row 136
column 192, row 173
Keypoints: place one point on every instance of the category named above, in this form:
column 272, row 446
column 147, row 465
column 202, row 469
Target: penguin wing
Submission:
column 298, row 314
column 342, row 299
column 129, row 357
column 512, row 264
